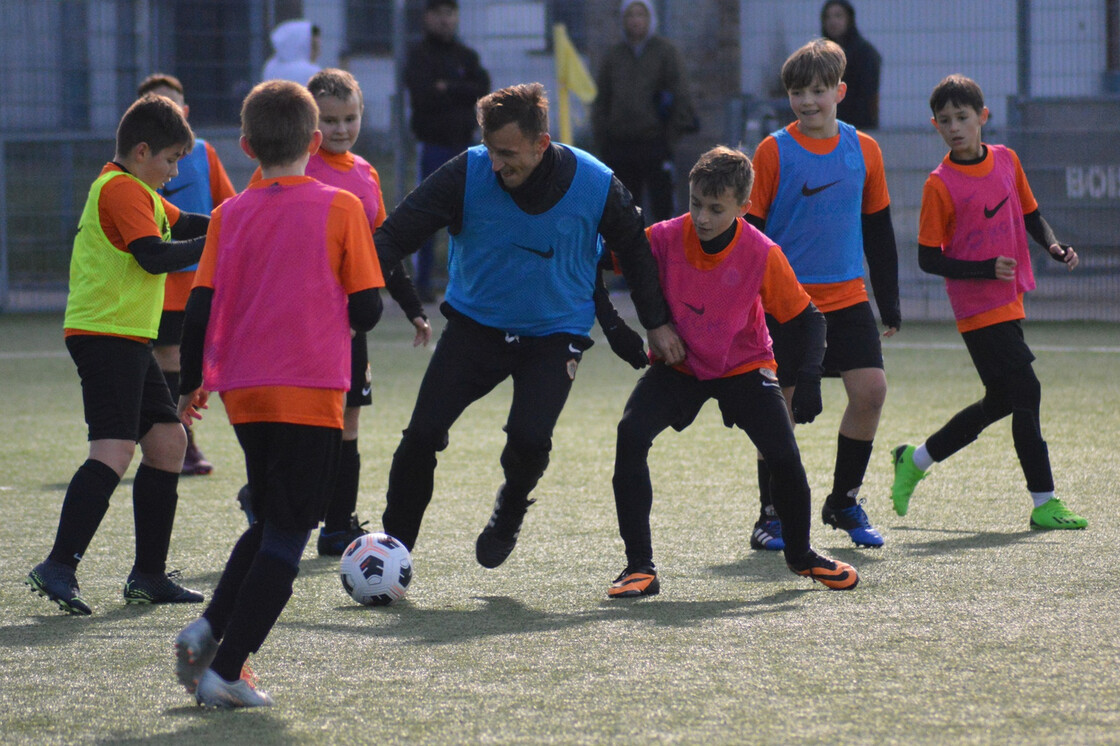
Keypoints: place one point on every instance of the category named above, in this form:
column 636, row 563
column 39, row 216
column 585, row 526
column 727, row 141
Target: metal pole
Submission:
column 3, row 226
column 1023, row 30
column 1112, row 49
column 399, row 135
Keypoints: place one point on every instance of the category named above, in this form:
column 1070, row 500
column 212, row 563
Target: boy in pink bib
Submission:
column 977, row 210
column 720, row 276
column 289, row 268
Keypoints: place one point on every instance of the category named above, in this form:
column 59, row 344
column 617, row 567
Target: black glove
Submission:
column 1060, row 258
column 627, row 344
column 806, row 402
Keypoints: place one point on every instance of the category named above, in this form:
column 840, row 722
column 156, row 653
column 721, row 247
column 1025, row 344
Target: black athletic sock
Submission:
column 263, row 595
column 344, row 498
column 765, row 499
column 222, row 600
column 852, row 457
column 154, row 497
column 85, row 504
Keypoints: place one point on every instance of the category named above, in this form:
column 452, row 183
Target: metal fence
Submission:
column 68, row 68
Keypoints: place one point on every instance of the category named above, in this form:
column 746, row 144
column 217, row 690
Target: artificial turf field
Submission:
column 965, row 628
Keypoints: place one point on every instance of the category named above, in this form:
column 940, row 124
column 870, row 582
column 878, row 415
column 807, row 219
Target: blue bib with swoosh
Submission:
column 816, row 213
column 190, row 189
column 525, row 274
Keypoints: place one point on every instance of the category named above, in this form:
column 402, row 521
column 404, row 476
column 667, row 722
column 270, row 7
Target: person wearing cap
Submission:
column 444, row 79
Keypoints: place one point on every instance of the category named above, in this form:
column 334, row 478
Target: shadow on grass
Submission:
column 770, row 567
column 959, row 539
column 61, row 628
column 216, row 726
column 502, row 615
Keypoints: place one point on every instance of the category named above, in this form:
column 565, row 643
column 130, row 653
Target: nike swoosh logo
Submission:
column 366, row 390
column 698, row 311
column 168, row 192
column 992, row 212
column 572, row 349
column 543, row 254
column 808, row 191
column 771, row 384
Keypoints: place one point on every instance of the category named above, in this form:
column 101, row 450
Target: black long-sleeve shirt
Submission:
column 444, row 117
column 438, row 203
column 156, row 256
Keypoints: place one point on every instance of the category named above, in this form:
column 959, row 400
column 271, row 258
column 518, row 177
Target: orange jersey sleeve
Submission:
column 875, row 194
column 350, row 245
column 936, row 220
column 126, row 211
column 1026, row 196
column 221, row 188
column 204, row 275
column 380, row 196
column 767, row 170
column 781, row 293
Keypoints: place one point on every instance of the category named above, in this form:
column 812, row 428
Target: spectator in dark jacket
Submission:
column 642, row 108
column 444, row 79
column 860, row 107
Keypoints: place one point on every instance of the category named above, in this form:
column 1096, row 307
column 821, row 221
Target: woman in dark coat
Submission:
column 860, row 106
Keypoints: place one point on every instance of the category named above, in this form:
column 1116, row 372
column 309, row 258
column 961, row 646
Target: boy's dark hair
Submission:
column 958, row 90
column 155, row 120
column 334, row 82
column 820, row 59
column 279, row 118
column 526, row 105
column 723, row 168
column 159, row 80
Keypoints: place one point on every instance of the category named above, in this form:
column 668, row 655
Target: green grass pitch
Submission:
column 966, row 627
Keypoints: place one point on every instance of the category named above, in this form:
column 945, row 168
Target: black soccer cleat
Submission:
column 499, row 537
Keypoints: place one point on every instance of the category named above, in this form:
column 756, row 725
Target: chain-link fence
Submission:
column 68, row 68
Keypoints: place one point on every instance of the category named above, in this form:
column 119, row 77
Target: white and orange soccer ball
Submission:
column 376, row 569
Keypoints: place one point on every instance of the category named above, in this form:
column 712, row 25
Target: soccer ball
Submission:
column 376, row 569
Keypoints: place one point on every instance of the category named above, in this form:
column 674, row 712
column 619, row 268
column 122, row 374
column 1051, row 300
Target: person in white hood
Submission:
column 296, row 47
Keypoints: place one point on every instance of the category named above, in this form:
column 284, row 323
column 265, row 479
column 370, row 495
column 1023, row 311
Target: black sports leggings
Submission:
column 1018, row 394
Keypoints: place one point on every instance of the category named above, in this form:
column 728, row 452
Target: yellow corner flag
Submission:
column 571, row 77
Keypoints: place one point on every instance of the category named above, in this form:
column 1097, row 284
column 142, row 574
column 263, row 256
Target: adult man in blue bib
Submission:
column 526, row 219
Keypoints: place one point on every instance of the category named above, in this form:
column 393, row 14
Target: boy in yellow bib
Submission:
column 128, row 238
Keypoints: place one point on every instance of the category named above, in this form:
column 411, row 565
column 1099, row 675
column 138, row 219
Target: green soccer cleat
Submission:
column 906, row 478
column 1053, row 514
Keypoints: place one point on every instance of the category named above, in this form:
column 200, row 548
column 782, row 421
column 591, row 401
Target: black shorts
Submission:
column 852, row 339
column 170, row 329
column 361, row 380
column 291, row 470
column 998, row 349
column 124, row 392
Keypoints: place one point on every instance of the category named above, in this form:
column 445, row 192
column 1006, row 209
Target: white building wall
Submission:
column 923, row 41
